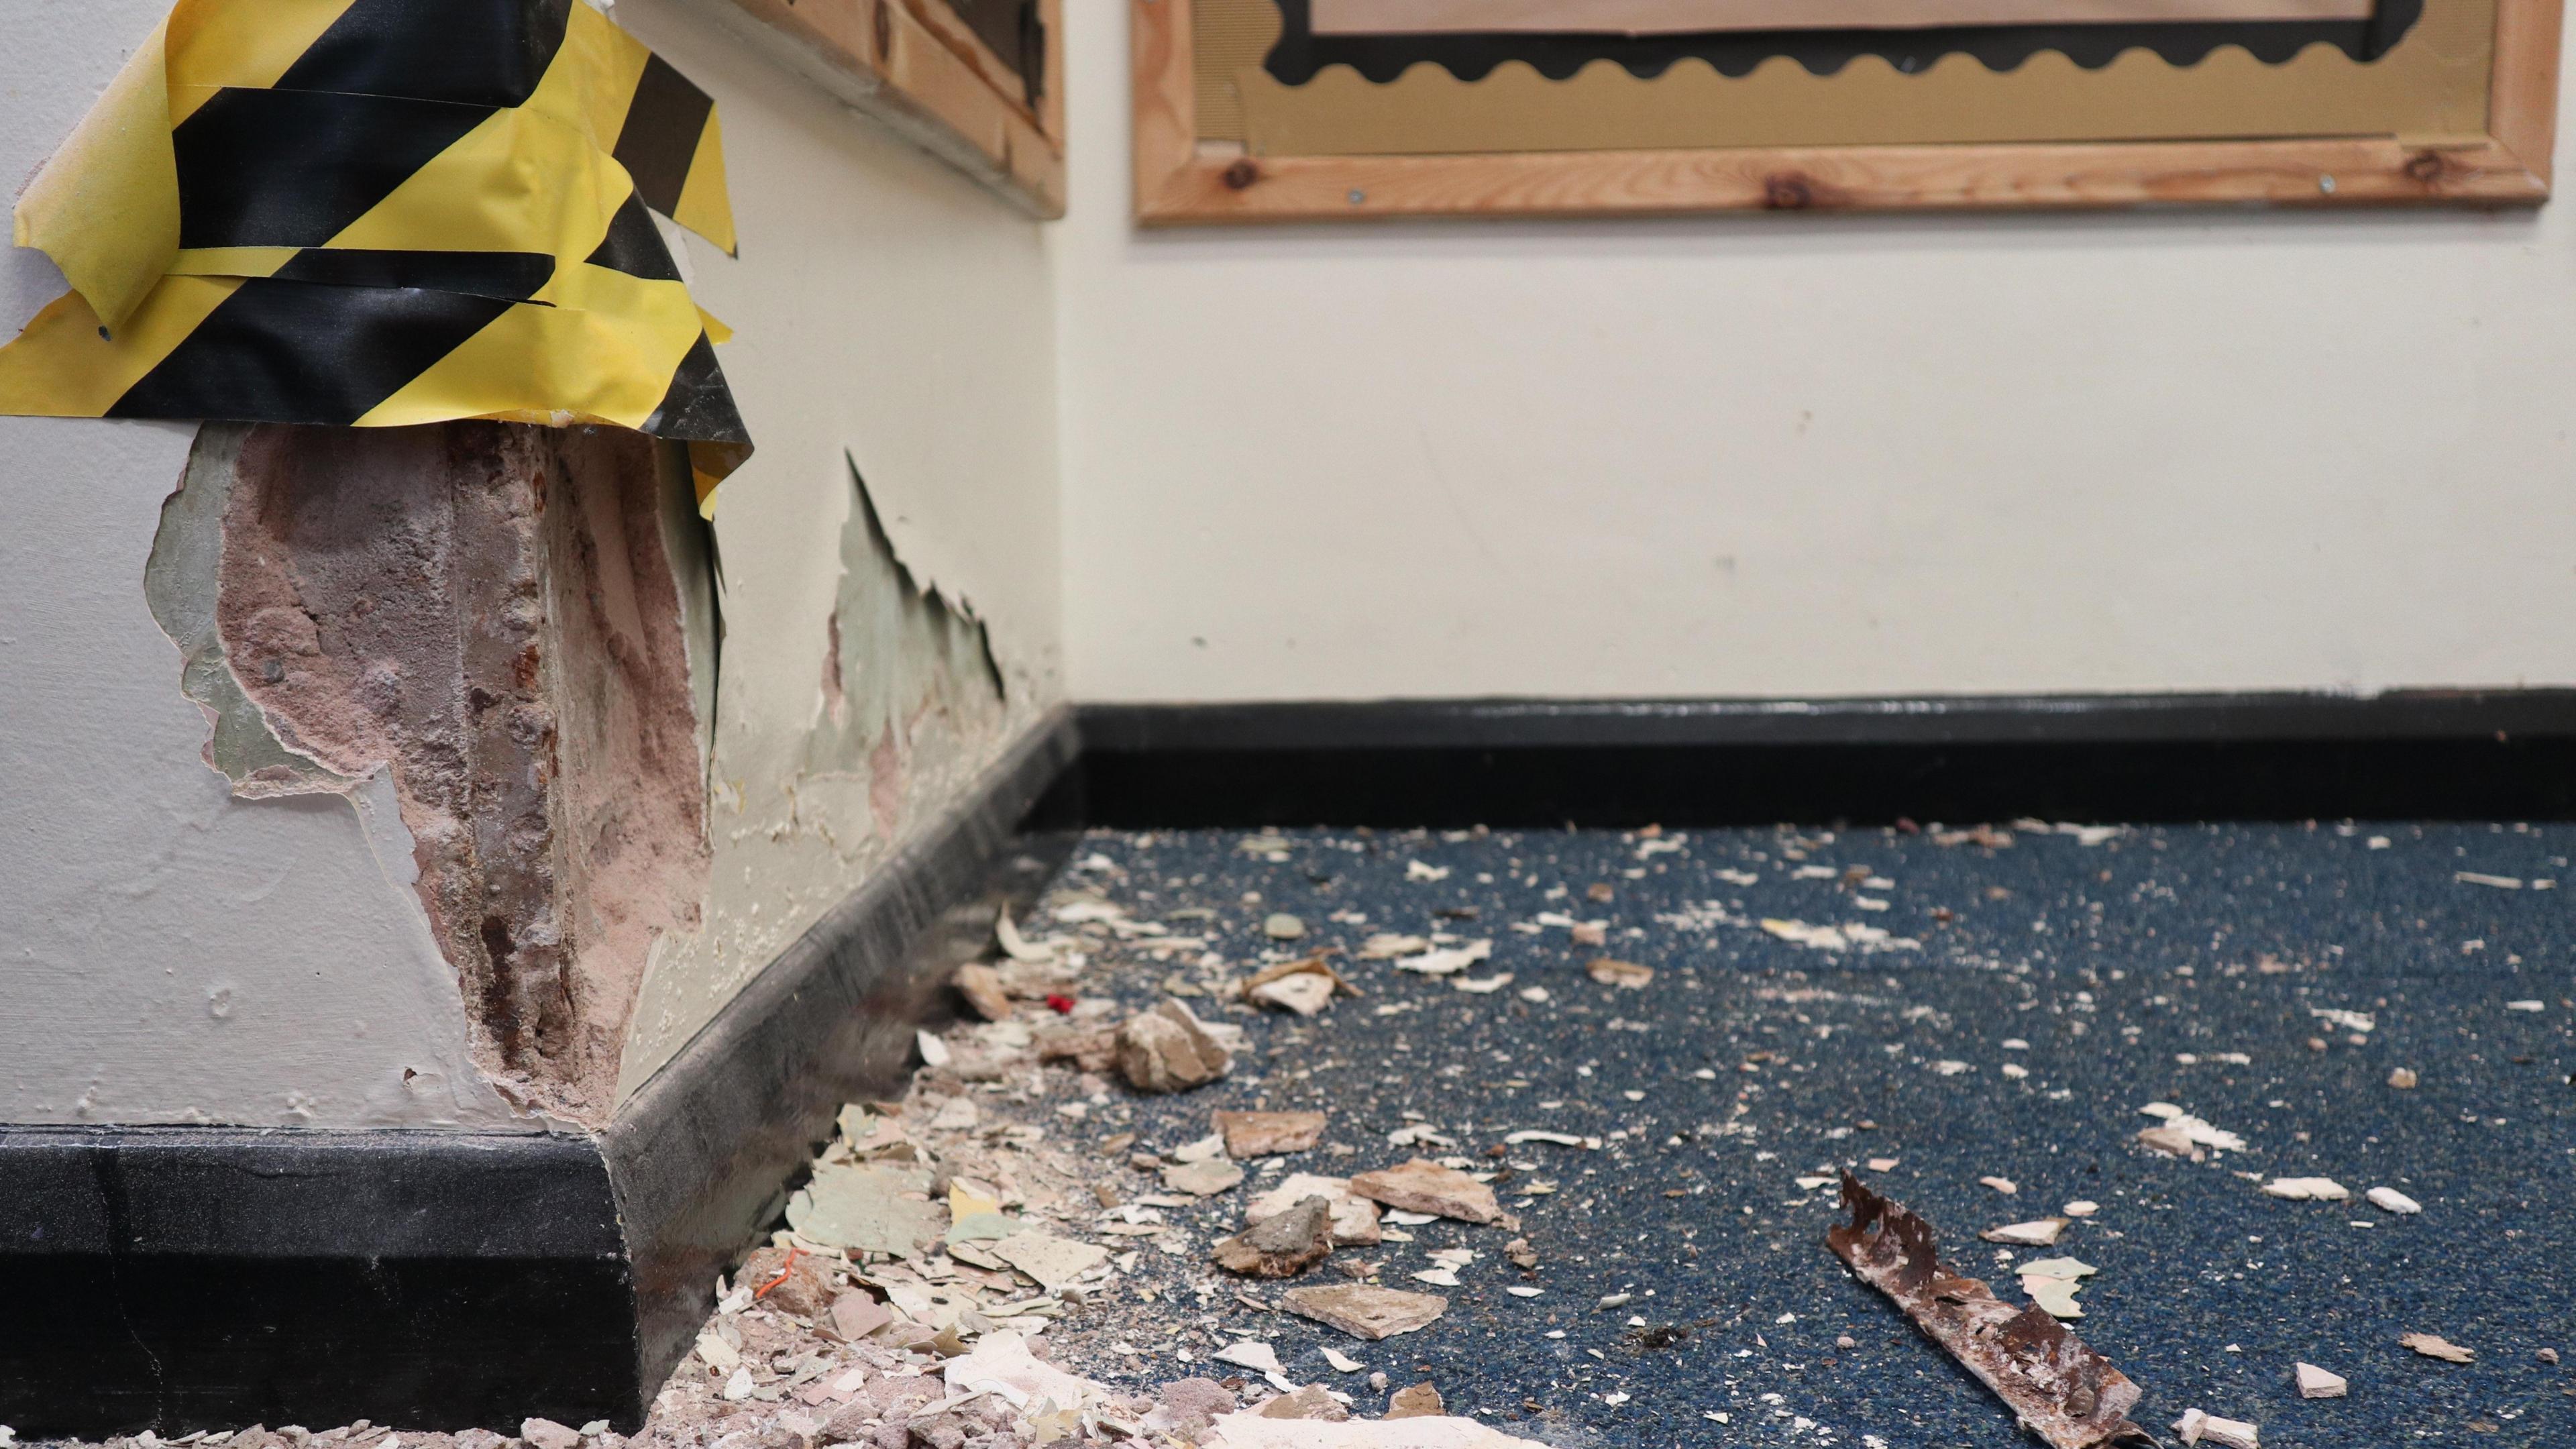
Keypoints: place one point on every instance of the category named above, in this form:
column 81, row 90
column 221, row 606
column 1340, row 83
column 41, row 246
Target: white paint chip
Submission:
column 1251, row 1353
column 2041, row 1233
column 2390, row 1200
column 1446, row 961
column 2055, row 1296
column 2307, row 1189
column 2231, row 1433
column 2192, row 1130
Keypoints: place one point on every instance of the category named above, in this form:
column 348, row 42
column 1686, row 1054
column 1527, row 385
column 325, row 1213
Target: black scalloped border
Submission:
column 1301, row 53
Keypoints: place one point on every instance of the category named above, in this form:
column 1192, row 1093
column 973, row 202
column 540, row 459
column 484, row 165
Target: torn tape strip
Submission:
column 515, row 183
column 515, row 276
column 620, row 349
column 435, row 113
column 378, row 212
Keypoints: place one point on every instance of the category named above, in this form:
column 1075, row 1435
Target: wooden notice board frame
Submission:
column 1181, row 180
column 917, row 66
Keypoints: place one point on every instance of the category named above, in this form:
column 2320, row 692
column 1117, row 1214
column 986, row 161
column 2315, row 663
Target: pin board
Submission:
column 1254, row 110
column 978, row 82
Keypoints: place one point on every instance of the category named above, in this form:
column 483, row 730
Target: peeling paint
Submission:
column 906, row 664
column 908, row 708
column 178, row 583
column 488, row 615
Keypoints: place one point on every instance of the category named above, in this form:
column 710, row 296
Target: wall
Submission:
column 892, row 316
column 176, row 954
column 172, row 954
column 1811, row 455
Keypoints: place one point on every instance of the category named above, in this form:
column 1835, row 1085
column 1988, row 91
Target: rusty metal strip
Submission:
column 2061, row 1389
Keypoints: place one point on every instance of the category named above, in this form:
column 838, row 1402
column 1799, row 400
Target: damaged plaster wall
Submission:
column 894, row 322
column 314, row 950
column 491, row 616
column 172, row 954
column 908, row 711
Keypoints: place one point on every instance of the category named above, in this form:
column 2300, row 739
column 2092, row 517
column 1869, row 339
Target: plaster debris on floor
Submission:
column 1177, row 1174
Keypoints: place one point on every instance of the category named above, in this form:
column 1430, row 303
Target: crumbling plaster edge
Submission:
column 700, row 1149
column 475, row 1102
column 909, row 882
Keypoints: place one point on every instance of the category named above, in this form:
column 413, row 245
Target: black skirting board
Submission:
column 200, row 1277
column 2448, row 755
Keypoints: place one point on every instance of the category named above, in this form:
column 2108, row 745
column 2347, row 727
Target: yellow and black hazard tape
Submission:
column 371, row 213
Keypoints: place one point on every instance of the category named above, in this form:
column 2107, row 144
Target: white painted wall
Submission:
column 170, row 954
column 175, row 955
column 885, row 308
column 1786, row 456
column 885, row 305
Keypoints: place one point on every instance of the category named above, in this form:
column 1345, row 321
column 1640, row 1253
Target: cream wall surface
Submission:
column 1808, row 455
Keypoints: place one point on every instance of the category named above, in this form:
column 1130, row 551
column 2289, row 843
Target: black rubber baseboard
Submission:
column 2431, row 756
column 191, row 1277
column 183, row 1278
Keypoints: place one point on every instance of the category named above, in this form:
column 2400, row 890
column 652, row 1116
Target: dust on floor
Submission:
column 2204, row 1091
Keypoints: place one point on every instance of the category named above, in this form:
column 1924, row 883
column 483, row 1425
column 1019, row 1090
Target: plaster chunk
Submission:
column 1426, row 1187
column 1282, row 1245
column 867, row 1207
column 1268, row 1134
column 1168, row 1050
column 1420, row 1401
column 1366, row 1311
column 1354, row 1218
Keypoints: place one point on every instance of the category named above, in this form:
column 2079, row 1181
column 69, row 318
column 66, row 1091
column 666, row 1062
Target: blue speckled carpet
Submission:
column 2024, row 1001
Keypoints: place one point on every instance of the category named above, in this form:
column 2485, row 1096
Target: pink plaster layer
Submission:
column 487, row 610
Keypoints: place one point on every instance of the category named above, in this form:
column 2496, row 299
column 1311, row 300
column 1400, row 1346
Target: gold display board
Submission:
column 2459, row 108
